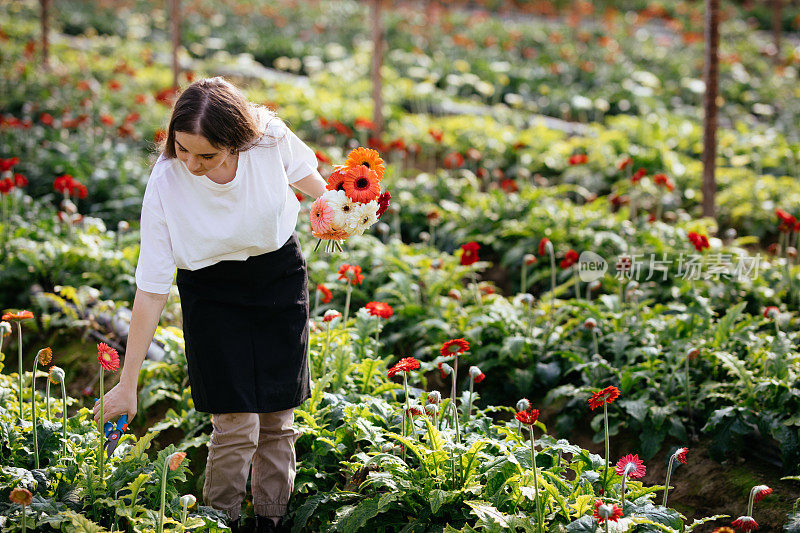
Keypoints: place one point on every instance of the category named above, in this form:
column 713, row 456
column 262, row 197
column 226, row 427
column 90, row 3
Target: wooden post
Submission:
column 45, row 5
column 377, row 61
column 711, row 78
column 175, row 27
column 777, row 21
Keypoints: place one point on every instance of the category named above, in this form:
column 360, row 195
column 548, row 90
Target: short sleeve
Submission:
column 298, row 159
column 155, row 270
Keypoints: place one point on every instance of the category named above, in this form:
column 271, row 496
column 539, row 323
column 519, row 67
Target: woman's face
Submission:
column 197, row 153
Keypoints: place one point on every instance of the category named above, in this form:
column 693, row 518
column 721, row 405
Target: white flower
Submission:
column 474, row 372
column 343, row 210
column 364, row 216
column 523, row 405
column 188, row 500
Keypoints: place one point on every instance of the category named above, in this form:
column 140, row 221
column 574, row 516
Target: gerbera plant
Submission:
column 56, row 376
column 606, row 512
column 529, row 418
column 172, row 462
column 44, row 357
column 379, row 310
column 604, row 397
column 18, row 317
column 454, row 348
column 747, row 522
column 109, row 360
column 680, row 455
column 632, row 467
column 350, row 274
column 353, row 202
column 475, row 376
column 405, row 365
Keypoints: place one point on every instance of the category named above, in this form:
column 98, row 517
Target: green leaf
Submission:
column 437, row 498
column 725, row 324
column 353, row 517
column 487, row 513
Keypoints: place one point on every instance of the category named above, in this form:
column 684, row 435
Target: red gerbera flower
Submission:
column 569, row 259
column 578, row 159
column 444, row 369
column 331, row 314
column 453, row 160
column 8, row 164
column 20, row 180
column 380, row 309
column 436, row 134
column 624, row 163
column 606, row 511
column 528, row 417
column 406, row 364
column 327, row 295
column 336, row 179
column 663, row 180
column 607, row 395
column 19, row 315
column 745, row 523
column 771, row 312
column 454, row 347
column 108, row 357
column 680, row 454
column 543, row 246
column 787, row 221
column 470, row 253
column 698, row 240
column 633, row 464
column 6, row 185
column 761, row 492
column 351, row 274
column 383, row 203
column 638, row 175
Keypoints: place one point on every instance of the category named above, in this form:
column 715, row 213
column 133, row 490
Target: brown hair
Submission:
column 217, row 110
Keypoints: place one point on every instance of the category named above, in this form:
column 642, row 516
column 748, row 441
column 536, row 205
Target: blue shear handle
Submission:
column 122, row 423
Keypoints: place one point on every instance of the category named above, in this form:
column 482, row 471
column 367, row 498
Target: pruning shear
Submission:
column 113, row 434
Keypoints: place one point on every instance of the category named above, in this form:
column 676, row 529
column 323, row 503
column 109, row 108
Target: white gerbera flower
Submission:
column 343, row 210
column 365, row 215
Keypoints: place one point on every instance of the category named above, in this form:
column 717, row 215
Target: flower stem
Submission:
column 163, row 494
column 33, row 412
column 19, row 337
column 475, row 288
column 405, row 411
column 688, row 391
column 64, row 415
column 455, row 407
column 347, row 303
column 552, row 280
column 669, row 474
column 469, row 404
column 750, row 501
column 47, row 398
column 577, row 285
column 539, row 517
column 523, row 284
column 102, row 430
column 605, row 417
column 594, row 338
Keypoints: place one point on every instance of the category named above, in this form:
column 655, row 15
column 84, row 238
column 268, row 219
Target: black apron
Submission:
column 245, row 326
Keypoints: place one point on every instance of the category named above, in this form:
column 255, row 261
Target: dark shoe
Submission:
column 265, row 524
column 239, row 527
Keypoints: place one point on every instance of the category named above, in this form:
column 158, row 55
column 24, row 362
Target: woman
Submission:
column 218, row 209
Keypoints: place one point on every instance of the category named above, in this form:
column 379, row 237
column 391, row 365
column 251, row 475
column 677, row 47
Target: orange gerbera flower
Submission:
column 108, row 357
column 19, row 315
column 176, row 459
column 21, row 496
column 326, row 293
column 368, row 158
column 607, row 395
column 336, row 179
column 362, row 184
column 45, row 356
column 454, row 347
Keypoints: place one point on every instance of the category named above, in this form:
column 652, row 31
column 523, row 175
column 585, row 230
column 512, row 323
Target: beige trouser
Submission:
column 266, row 439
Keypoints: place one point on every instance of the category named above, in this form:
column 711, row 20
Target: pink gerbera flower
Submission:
column 321, row 216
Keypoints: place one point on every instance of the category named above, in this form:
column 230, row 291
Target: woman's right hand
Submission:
column 120, row 400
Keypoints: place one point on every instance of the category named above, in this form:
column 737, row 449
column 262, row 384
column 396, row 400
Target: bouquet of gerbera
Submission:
column 353, row 201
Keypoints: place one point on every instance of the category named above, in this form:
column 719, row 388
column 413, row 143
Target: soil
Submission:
column 704, row 487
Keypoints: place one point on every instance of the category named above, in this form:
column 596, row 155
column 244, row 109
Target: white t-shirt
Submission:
column 190, row 222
